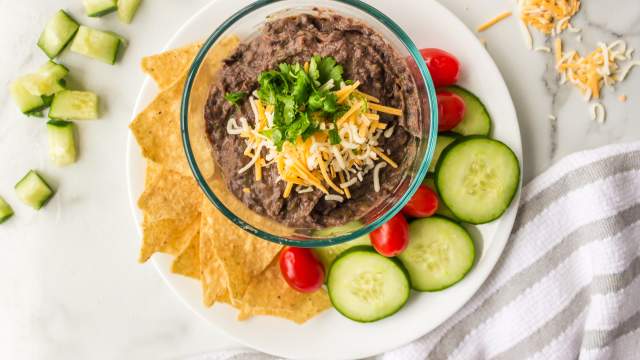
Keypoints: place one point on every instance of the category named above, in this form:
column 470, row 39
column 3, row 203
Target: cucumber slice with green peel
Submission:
column 127, row 9
column 33, row 190
column 443, row 210
column 5, row 210
column 365, row 286
column 476, row 120
column 97, row 44
column 62, row 142
column 328, row 254
column 74, row 105
column 57, row 34
column 27, row 103
column 477, row 178
column 443, row 141
column 440, row 253
column 47, row 80
column 97, row 8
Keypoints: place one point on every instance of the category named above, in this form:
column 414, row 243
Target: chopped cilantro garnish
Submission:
column 295, row 93
column 334, row 137
column 234, row 97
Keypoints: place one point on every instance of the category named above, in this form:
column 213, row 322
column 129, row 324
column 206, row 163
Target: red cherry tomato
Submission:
column 451, row 110
column 391, row 238
column 301, row 269
column 443, row 67
column 424, row 203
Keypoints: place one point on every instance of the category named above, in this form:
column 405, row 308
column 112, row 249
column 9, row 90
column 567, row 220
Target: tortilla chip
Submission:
column 170, row 195
column 187, row 263
column 269, row 294
column 243, row 256
column 169, row 236
column 157, row 128
column 165, row 68
column 214, row 279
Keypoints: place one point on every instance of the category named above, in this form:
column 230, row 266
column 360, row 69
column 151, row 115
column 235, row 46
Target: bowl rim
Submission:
column 416, row 181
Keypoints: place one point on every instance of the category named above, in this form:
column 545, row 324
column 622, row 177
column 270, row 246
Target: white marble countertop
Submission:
column 70, row 284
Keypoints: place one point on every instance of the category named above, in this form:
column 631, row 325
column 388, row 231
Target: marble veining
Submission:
column 71, row 286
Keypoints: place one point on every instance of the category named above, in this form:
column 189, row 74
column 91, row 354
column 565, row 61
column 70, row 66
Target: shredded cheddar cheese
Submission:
column 548, row 16
column 494, row 21
column 591, row 72
column 318, row 162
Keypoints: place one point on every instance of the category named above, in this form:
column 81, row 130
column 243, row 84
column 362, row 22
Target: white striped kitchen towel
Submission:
column 568, row 283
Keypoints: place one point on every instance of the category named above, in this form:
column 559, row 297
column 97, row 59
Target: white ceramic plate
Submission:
column 330, row 335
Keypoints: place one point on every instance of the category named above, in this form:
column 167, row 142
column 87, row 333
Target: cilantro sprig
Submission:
column 234, row 97
column 300, row 98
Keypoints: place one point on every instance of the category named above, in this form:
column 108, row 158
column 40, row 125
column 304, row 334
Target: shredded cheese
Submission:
column 386, row 109
column 622, row 98
column 317, row 163
column 376, row 176
column 548, row 16
column 494, row 21
column 598, row 113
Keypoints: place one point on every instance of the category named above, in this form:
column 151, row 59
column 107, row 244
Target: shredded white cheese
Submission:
column 598, row 113
column 376, row 176
column 333, row 197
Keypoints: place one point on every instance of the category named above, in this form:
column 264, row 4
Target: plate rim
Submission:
column 492, row 258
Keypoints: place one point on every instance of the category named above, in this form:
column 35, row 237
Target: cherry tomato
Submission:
column 301, row 269
column 451, row 110
column 391, row 238
column 424, row 203
column 443, row 67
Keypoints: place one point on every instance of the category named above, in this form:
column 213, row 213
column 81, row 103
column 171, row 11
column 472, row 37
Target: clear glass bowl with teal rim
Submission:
column 245, row 24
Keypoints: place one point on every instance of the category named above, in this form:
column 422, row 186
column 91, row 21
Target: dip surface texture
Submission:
column 367, row 58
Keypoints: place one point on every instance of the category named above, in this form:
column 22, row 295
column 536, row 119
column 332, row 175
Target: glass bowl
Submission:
column 245, row 24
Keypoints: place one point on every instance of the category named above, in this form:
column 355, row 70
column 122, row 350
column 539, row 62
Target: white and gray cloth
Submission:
column 568, row 283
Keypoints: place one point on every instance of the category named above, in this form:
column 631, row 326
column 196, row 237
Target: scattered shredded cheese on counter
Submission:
column 597, row 69
column 598, row 113
column 494, row 21
column 548, row 16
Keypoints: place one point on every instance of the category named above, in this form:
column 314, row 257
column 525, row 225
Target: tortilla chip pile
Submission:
column 233, row 266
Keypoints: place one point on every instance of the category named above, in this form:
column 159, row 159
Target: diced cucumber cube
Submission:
column 27, row 103
column 96, row 8
column 74, row 105
column 127, row 9
column 5, row 210
column 33, row 190
column 97, row 44
column 47, row 80
column 57, row 34
column 62, row 142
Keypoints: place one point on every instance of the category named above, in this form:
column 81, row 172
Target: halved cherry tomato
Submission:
column 301, row 269
column 391, row 238
column 424, row 203
column 451, row 110
column 443, row 67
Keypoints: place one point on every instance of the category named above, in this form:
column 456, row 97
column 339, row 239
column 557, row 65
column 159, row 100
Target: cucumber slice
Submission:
column 47, row 80
column 57, row 34
column 62, row 142
column 366, row 286
column 27, row 103
column 5, row 210
column 97, row 8
column 443, row 210
column 328, row 254
column 33, row 190
column 440, row 253
column 74, row 105
column 476, row 120
column 127, row 9
column 477, row 178
column 97, row 44
column 443, row 141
